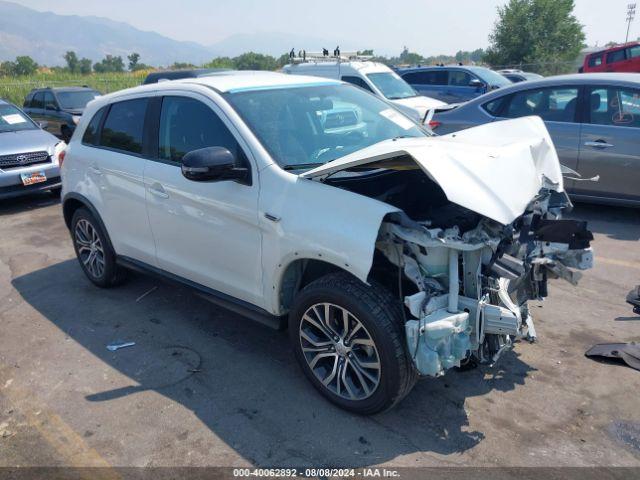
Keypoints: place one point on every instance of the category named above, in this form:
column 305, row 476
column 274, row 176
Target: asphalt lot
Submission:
column 203, row 386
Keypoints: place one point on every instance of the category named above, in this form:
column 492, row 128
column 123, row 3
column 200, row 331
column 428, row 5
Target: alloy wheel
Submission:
column 90, row 249
column 340, row 351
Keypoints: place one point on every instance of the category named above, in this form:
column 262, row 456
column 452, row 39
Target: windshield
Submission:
column 76, row 100
column 492, row 78
column 391, row 85
column 14, row 120
column 306, row 126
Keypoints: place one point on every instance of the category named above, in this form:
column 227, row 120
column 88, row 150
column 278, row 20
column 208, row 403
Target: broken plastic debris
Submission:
column 112, row 347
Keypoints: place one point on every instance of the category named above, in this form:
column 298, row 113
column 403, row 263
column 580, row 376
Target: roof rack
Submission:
column 302, row 56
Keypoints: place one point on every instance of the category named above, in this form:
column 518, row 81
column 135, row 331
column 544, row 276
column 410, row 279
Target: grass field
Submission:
column 14, row 89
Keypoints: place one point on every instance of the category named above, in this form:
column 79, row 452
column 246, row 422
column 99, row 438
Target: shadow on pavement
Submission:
column 241, row 379
column 31, row 201
column 618, row 223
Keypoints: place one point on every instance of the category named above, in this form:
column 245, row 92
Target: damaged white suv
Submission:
column 392, row 253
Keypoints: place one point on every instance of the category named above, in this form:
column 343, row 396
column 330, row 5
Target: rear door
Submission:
column 610, row 143
column 116, row 165
column 557, row 106
column 207, row 232
column 430, row 83
column 616, row 61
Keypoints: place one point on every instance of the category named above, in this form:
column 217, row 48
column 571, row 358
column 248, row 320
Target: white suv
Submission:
column 391, row 253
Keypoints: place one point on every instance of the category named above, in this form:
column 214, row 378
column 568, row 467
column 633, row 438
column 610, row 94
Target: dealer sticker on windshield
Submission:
column 33, row 177
column 397, row 118
column 14, row 118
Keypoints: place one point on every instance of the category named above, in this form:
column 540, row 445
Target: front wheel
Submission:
column 349, row 341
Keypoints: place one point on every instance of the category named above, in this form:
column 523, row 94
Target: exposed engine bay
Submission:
column 470, row 274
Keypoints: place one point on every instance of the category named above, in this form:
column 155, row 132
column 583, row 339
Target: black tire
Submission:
column 55, row 191
column 111, row 274
column 379, row 312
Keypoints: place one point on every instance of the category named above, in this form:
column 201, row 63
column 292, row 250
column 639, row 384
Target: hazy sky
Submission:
column 426, row 26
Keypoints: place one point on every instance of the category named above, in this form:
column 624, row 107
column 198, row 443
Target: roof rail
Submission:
column 302, row 56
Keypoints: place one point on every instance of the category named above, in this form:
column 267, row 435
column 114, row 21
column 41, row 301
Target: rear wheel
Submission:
column 348, row 339
column 93, row 249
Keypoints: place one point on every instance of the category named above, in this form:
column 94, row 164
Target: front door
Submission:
column 206, row 232
column 610, row 143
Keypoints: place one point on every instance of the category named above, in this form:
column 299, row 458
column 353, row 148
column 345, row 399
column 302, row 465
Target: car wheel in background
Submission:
column 94, row 251
column 348, row 339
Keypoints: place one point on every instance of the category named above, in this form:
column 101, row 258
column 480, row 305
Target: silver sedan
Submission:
column 593, row 119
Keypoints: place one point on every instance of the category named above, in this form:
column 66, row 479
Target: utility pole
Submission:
column 631, row 13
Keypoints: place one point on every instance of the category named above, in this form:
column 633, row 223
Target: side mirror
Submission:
column 43, row 124
column 476, row 83
column 213, row 164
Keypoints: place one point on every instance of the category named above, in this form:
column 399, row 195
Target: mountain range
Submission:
column 46, row 36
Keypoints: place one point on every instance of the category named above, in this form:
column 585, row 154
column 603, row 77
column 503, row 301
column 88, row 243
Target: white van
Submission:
column 375, row 77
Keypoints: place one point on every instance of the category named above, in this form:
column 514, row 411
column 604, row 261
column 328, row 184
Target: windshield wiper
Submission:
column 300, row 166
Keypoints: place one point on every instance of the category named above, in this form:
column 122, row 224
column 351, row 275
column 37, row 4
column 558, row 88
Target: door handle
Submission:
column 95, row 170
column 598, row 144
column 157, row 190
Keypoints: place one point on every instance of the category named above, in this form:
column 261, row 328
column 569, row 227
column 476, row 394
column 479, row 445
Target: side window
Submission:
column 616, row 56
column 90, row 136
column 633, row 52
column 49, row 101
column 27, row 100
column 494, row 107
column 432, row 77
column 357, row 81
column 458, row 78
column 38, row 100
column 595, row 60
column 614, row 106
column 124, row 125
column 551, row 104
column 187, row 124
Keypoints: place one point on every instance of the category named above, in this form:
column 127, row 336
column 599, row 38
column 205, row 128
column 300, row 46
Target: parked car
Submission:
column 374, row 77
column 60, row 108
column 155, row 77
column 517, row 76
column 621, row 58
column 231, row 185
column 452, row 84
column 594, row 121
column 29, row 156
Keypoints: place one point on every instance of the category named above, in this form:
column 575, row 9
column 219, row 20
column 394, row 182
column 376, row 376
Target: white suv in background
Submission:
column 374, row 77
column 389, row 252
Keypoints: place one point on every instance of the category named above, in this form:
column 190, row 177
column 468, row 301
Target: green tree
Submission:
column 535, row 32
column 73, row 64
column 410, row 58
column 23, row 65
column 133, row 61
column 85, row 66
column 220, row 62
column 109, row 64
column 255, row 61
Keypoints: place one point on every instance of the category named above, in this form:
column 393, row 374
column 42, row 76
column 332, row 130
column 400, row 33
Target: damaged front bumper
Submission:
column 473, row 287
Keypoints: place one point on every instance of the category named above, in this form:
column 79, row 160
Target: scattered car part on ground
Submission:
column 394, row 253
column 629, row 353
column 633, row 299
column 117, row 345
column 59, row 108
column 594, row 121
column 29, row 156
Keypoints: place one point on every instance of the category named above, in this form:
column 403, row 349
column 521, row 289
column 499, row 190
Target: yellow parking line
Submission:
column 615, row 261
column 69, row 444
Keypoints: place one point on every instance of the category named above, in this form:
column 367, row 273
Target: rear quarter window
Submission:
column 90, row 136
column 124, row 126
column 595, row 60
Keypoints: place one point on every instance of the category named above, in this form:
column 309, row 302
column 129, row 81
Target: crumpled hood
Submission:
column 419, row 104
column 494, row 169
